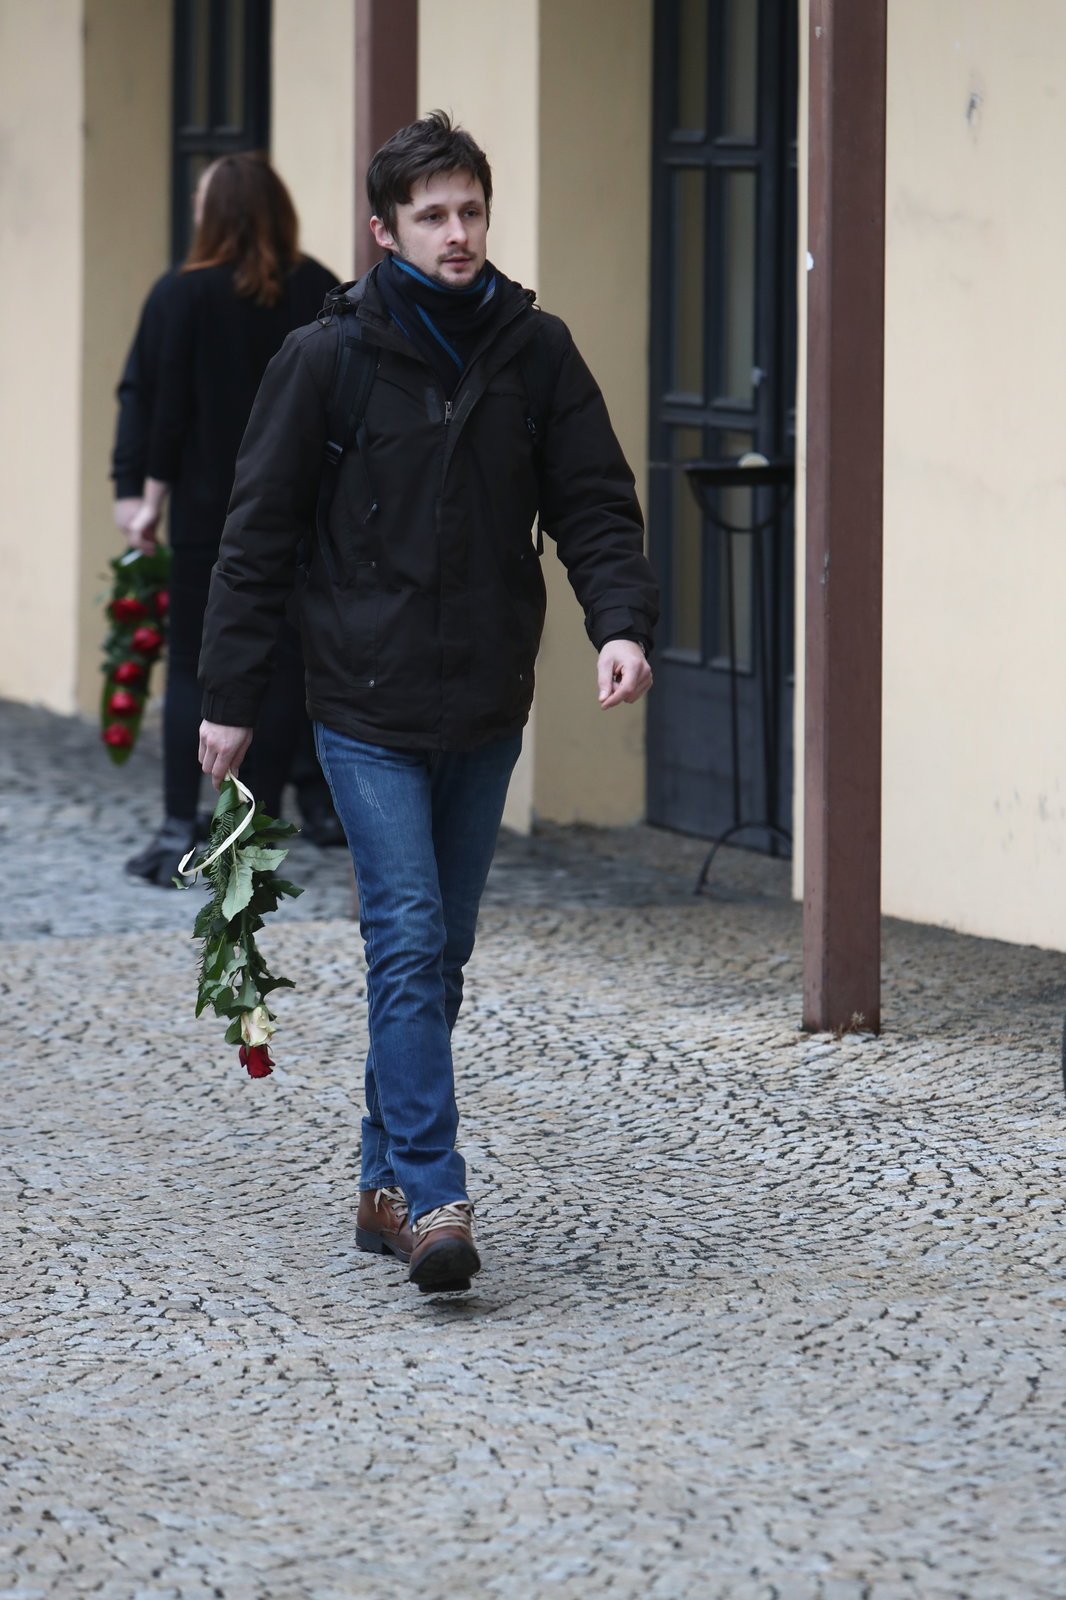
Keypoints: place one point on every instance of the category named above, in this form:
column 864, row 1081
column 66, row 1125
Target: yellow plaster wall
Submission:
column 594, row 262
column 560, row 97
column 41, row 108
column 126, row 247
column 313, row 122
column 975, row 489
column 479, row 60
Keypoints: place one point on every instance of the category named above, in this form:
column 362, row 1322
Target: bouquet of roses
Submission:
column 137, row 611
column 239, row 862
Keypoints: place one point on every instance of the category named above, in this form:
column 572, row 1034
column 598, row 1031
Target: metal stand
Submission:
column 705, row 479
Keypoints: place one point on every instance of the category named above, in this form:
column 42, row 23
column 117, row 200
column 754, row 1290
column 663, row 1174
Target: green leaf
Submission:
column 233, row 963
column 208, row 921
column 267, row 983
column 260, row 859
column 248, row 994
column 263, row 901
column 226, row 1004
column 283, row 886
column 216, row 954
column 233, row 1032
column 238, row 890
column 228, row 800
column 256, row 964
column 209, row 992
column 270, row 828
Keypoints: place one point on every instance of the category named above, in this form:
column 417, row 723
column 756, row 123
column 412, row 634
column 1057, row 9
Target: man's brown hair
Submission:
column 424, row 149
column 248, row 219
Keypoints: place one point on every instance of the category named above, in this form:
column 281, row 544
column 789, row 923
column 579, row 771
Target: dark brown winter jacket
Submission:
column 425, row 634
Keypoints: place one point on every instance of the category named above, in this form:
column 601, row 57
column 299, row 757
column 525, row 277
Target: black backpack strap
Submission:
column 354, row 371
column 539, row 375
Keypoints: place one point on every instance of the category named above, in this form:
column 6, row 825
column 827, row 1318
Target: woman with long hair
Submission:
column 219, row 319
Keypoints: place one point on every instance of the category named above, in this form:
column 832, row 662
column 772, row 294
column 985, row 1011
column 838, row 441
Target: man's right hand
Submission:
column 222, row 749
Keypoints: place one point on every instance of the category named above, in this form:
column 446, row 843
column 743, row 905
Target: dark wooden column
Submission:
column 386, row 95
column 845, row 448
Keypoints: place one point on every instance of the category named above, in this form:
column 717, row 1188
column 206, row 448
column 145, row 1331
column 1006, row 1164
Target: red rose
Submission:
column 127, row 609
column 149, row 641
column 129, row 672
column 123, row 704
column 256, row 1057
column 117, row 736
column 162, row 603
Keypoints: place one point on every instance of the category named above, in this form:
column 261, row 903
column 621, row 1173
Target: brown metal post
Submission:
column 845, row 448
column 386, row 96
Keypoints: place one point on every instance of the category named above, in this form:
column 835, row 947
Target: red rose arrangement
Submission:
column 137, row 615
column 240, row 862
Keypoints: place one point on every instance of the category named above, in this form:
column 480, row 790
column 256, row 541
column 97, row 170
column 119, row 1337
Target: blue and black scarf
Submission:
column 444, row 325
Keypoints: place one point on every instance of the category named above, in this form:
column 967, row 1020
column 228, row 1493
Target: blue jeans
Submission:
column 422, row 828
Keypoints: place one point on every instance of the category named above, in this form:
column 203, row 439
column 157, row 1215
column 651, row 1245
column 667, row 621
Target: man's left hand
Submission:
column 222, row 749
column 623, row 673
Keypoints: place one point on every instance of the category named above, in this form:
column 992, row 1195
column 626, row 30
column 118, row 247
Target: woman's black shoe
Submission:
column 158, row 862
column 322, row 826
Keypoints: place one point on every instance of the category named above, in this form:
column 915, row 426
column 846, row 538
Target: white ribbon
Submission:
column 246, row 822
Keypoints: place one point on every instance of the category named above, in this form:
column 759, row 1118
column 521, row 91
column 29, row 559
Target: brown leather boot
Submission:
column 381, row 1225
column 444, row 1256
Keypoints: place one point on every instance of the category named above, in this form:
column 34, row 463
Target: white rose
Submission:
column 256, row 1026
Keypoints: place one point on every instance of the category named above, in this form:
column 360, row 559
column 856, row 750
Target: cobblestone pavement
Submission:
column 762, row 1314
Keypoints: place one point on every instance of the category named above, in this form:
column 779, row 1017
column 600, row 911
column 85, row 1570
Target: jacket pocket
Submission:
column 361, row 619
column 526, row 590
column 518, row 646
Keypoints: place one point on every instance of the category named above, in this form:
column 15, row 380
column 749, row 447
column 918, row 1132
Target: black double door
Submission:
column 220, row 95
column 723, row 373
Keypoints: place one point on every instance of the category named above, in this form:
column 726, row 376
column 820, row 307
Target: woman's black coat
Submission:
column 429, row 637
column 213, row 349
column 136, row 394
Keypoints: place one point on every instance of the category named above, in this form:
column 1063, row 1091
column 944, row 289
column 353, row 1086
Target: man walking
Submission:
column 406, row 533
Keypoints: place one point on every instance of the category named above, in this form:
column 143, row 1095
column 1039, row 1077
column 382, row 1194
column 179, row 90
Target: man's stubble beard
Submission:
column 435, row 277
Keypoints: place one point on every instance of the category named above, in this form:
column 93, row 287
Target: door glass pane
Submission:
column 737, row 508
column 192, row 170
column 689, row 282
column 692, row 65
column 233, row 110
column 197, row 64
column 740, row 66
column 737, row 360
column 686, row 568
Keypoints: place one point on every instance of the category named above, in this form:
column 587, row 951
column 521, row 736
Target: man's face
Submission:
column 441, row 230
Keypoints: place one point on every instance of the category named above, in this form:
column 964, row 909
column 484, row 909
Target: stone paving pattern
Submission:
column 762, row 1314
